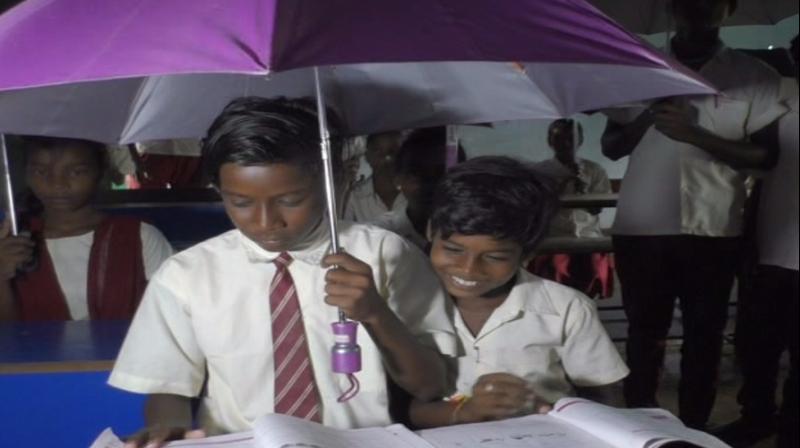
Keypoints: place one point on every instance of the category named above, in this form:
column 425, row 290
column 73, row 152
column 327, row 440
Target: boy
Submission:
column 244, row 311
column 523, row 339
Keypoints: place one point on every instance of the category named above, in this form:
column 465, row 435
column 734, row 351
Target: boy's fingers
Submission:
column 339, row 293
column 346, row 261
column 344, row 277
column 195, row 434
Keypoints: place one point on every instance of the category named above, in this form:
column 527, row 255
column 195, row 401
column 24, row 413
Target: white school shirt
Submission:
column 397, row 221
column 70, row 258
column 576, row 222
column 208, row 308
column 672, row 188
column 364, row 205
column 544, row 332
column 778, row 211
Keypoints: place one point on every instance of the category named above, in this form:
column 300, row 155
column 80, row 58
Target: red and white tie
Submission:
column 295, row 391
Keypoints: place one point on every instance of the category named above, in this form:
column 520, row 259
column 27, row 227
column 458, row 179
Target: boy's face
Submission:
column 562, row 141
column 698, row 15
column 276, row 205
column 382, row 150
column 472, row 266
column 63, row 179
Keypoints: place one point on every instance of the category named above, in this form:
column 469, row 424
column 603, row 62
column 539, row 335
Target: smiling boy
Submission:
column 250, row 311
column 525, row 342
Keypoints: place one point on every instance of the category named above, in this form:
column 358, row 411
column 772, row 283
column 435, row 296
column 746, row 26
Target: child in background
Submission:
column 88, row 265
column 525, row 342
column 249, row 313
column 419, row 166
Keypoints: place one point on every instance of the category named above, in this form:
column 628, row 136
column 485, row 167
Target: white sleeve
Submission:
column 588, row 354
column 415, row 294
column 765, row 101
column 155, row 249
column 160, row 353
column 599, row 181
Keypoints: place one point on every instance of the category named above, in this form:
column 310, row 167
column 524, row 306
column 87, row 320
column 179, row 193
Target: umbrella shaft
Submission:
column 327, row 165
column 11, row 211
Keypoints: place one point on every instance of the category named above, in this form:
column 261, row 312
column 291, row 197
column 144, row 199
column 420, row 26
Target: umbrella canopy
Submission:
column 150, row 69
column 652, row 16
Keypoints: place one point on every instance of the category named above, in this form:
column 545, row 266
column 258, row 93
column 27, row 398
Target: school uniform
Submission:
column 397, row 221
column 207, row 312
column 545, row 333
column 576, row 222
column 676, row 234
column 364, row 204
column 100, row 274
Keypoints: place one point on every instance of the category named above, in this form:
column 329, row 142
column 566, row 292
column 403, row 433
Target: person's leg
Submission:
column 759, row 344
column 708, row 269
column 648, row 299
column 789, row 422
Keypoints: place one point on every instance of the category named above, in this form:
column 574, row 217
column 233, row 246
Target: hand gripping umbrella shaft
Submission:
column 345, row 354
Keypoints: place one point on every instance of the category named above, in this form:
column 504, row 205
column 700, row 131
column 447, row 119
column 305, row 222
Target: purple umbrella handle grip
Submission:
column 345, row 354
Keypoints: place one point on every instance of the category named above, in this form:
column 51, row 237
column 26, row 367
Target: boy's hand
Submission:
column 500, row 395
column 350, row 287
column 14, row 252
column 677, row 119
column 156, row 437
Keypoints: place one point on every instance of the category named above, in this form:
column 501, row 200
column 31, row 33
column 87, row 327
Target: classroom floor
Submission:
column 726, row 409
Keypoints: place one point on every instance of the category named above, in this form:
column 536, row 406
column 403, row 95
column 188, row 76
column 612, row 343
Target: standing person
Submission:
column 243, row 320
column 88, row 265
column 768, row 321
column 678, row 222
column 525, row 342
column 589, row 273
column 378, row 193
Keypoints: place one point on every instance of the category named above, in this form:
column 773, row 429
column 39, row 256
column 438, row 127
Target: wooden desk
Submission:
column 574, row 245
column 53, row 384
column 592, row 200
column 75, row 346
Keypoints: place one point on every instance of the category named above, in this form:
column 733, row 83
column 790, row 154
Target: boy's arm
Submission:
column 619, row 140
column 495, row 396
column 413, row 366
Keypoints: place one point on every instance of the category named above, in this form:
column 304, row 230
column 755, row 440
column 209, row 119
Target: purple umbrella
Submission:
column 149, row 69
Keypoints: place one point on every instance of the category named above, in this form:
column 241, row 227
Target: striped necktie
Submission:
column 295, row 391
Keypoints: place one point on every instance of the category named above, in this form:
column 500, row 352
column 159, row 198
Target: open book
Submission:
column 572, row 423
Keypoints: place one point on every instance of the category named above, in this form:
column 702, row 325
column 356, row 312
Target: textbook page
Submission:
column 107, row 439
column 630, row 428
column 281, row 431
column 533, row 431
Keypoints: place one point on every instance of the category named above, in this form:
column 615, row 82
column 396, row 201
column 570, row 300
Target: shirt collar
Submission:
column 317, row 246
column 527, row 296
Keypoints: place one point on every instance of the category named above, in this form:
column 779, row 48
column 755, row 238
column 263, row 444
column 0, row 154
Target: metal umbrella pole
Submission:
column 345, row 354
column 11, row 211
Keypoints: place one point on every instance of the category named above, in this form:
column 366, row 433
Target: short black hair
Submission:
column 98, row 150
column 497, row 196
column 260, row 131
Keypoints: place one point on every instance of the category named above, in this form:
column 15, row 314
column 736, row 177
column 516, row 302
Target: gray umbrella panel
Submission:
column 369, row 97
